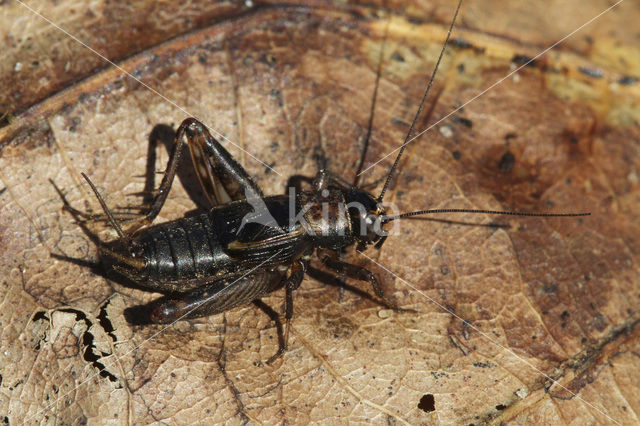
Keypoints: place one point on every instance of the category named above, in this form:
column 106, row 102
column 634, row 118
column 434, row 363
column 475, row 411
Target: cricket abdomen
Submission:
column 183, row 254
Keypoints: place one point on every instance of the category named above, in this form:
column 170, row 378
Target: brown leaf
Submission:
column 535, row 323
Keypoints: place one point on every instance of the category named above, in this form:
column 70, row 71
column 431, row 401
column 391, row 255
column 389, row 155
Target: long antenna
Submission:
column 112, row 221
column 386, row 219
column 367, row 139
column 415, row 119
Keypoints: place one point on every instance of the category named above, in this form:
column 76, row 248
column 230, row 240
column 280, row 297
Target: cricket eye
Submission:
column 373, row 224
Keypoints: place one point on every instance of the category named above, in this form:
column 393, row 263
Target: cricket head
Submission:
column 367, row 217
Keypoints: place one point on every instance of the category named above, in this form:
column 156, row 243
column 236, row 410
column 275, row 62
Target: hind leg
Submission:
column 221, row 177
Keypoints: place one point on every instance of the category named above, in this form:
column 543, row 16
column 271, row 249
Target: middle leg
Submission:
column 330, row 260
column 291, row 284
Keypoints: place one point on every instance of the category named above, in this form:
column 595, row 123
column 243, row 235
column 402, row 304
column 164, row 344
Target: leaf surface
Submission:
column 533, row 323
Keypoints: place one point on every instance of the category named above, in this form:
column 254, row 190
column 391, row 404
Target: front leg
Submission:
column 330, row 260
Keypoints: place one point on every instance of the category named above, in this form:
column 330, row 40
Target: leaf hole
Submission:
column 40, row 315
column 427, row 403
column 105, row 322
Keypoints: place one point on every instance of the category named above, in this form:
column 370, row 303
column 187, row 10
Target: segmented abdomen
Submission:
column 184, row 253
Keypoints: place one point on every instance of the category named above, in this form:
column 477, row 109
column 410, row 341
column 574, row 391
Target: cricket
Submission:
column 249, row 244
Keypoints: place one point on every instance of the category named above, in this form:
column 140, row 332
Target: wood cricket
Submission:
column 242, row 250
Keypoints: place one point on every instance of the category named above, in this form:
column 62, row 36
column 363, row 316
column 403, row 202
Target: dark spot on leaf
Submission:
column 271, row 59
column 268, row 170
column 398, row 122
column 506, row 162
column 600, row 322
column 627, row 80
column 464, row 121
column 461, row 43
column 500, row 407
column 591, row 72
column 395, row 56
column 508, row 137
column 456, row 155
column 277, row 94
column 524, row 60
column 427, row 403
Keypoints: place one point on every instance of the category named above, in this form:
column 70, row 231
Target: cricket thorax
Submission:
column 324, row 217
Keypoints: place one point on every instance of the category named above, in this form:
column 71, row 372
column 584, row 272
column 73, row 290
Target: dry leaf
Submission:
column 534, row 323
